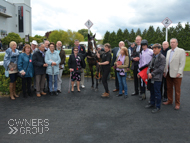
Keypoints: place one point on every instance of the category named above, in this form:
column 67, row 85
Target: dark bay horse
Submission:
column 93, row 60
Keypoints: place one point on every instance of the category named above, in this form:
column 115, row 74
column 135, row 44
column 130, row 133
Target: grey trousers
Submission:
column 40, row 82
column 59, row 80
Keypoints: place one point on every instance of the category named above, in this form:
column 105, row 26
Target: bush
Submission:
column 2, row 57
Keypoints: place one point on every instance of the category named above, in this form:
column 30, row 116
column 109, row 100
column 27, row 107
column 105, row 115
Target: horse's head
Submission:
column 91, row 43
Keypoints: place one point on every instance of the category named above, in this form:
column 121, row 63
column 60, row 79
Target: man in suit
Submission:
column 164, row 51
column 135, row 63
column 175, row 63
column 116, row 52
column 82, row 52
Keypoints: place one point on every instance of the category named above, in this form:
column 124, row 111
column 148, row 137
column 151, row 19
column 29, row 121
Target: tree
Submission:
column 150, row 35
column 112, row 40
column 132, row 36
column 144, row 34
column 11, row 37
column 158, row 36
column 119, row 36
column 84, row 32
column 186, row 40
column 72, row 36
column 106, row 37
column 138, row 32
column 58, row 35
column 126, row 34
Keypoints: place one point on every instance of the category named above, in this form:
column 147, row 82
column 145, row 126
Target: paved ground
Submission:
column 86, row 117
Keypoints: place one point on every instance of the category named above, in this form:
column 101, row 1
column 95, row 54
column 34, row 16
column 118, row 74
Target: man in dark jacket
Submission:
column 164, row 51
column 82, row 52
column 39, row 69
column 61, row 65
column 116, row 52
column 135, row 63
column 155, row 73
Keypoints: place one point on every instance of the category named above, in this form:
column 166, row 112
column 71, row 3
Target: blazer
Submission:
column 114, row 51
column 38, row 61
column 159, row 66
column 134, row 55
column 82, row 51
column 72, row 62
column 62, row 56
column 125, row 65
column 177, row 62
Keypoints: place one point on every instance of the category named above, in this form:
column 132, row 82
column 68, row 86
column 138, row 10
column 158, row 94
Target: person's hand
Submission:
column 23, row 73
column 71, row 69
column 136, row 59
column 98, row 55
column 178, row 75
column 45, row 65
column 99, row 63
column 138, row 75
column 11, row 69
column 149, row 76
column 164, row 74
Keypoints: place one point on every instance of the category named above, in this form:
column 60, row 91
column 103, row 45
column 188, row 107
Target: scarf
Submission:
column 9, row 57
column 122, row 59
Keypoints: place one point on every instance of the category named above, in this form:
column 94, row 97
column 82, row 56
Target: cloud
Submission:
column 49, row 15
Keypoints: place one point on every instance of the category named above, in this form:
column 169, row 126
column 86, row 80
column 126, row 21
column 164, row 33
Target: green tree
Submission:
column 126, row 34
column 158, row 36
column 59, row 35
column 186, row 38
column 11, row 37
column 106, row 37
column 119, row 36
column 132, row 36
column 138, row 32
column 150, row 35
column 84, row 32
column 144, row 34
column 112, row 40
column 72, row 36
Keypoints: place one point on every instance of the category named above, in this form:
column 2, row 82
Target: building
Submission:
column 15, row 16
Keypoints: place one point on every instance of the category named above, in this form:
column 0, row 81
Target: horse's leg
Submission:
column 92, row 76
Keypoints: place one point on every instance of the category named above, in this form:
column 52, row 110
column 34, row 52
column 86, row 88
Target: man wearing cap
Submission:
column 175, row 63
column 155, row 73
column 145, row 58
column 34, row 45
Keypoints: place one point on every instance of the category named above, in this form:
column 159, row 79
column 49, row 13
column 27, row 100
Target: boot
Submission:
column 14, row 90
column 106, row 95
column 11, row 91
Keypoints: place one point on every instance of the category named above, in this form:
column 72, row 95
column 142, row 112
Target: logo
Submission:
column 31, row 126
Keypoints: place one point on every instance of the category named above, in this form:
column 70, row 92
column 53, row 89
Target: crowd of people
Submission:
column 156, row 68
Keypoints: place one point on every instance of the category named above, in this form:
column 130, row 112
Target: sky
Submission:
column 106, row 15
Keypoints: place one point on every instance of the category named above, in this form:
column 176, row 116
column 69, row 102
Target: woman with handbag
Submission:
column 76, row 63
column 121, row 64
column 10, row 65
column 25, row 68
column 52, row 58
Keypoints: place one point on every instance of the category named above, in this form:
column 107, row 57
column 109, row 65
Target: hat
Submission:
column 34, row 42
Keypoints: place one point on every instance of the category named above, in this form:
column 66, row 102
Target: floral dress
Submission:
column 76, row 75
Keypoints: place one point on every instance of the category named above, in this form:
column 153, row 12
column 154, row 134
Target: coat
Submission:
column 177, row 62
column 25, row 61
column 62, row 56
column 72, row 62
column 158, row 70
column 125, row 65
column 114, row 51
column 82, row 51
column 52, row 57
column 38, row 61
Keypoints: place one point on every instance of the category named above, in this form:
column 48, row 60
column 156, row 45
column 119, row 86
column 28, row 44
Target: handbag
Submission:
column 19, row 74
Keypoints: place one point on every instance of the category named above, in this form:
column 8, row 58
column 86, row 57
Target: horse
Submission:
column 93, row 60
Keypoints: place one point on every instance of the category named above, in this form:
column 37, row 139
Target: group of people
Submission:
column 163, row 68
column 157, row 69
column 43, row 63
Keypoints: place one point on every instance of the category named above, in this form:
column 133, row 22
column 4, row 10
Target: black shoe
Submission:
column 55, row 93
column 143, row 97
column 149, row 106
column 34, row 90
column 155, row 110
column 125, row 96
column 165, row 100
column 119, row 95
column 58, row 91
column 51, row 93
column 29, row 94
column 134, row 94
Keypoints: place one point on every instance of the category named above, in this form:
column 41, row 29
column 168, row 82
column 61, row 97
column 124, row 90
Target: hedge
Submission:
column 4, row 82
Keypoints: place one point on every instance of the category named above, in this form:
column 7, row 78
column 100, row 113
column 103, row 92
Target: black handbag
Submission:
column 19, row 74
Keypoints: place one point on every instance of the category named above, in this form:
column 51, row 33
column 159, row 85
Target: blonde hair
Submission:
column 125, row 51
column 26, row 46
column 12, row 43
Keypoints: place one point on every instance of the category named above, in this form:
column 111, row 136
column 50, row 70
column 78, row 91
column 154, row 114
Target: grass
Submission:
column 187, row 64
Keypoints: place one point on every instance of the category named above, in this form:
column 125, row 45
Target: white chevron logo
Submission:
column 13, row 130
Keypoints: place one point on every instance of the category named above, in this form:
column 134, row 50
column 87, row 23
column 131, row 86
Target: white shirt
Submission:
column 118, row 52
column 138, row 48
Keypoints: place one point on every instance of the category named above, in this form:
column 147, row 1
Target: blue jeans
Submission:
column 122, row 83
column 155, row 93
column 51, row 83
